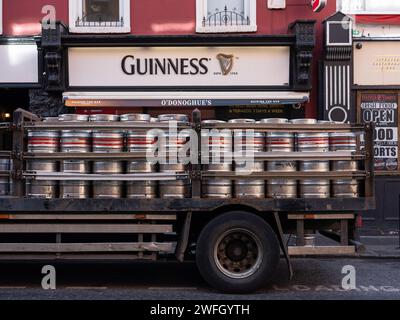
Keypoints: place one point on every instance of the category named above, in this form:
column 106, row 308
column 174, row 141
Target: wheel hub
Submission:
column 238, row 253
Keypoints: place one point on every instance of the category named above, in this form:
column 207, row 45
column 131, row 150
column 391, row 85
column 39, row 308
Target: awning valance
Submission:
column 182, row 99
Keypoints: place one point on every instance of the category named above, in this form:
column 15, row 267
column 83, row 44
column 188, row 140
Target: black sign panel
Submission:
column 382, row 109
column 260, row 112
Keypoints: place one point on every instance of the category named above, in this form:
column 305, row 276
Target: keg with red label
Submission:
column 46, row 141
column 75, row 141
column 216, row 156
column 313, row 142
column 280, row 142
column 140, row 140
column 107, row 141
column 172, row 143
column 245, row 144
column 344, row 188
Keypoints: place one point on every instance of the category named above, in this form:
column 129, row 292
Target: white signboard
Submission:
column 377, row 63
column 179, row 66
column 19, row 63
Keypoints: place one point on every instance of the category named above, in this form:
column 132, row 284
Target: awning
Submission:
column 381, row 19
column 182, row 99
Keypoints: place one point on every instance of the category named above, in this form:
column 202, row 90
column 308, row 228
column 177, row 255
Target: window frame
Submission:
column 76, row 10
column 250, row 11
column 364, row 12
column 350, row 30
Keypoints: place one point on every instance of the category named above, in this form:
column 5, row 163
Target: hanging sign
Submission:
column 318, row 5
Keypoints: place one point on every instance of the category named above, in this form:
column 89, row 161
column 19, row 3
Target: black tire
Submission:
column 221, row 239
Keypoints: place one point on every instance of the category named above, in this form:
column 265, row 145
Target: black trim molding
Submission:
column 336, row 100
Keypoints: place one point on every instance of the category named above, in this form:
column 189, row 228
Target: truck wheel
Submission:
column 237, row 252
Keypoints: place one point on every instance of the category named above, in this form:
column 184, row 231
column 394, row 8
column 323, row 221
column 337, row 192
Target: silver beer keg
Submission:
column 254, row 141
column 138, row 140
column 280, row 142
column 5, row 183
column 218, row 146
column 313, row 142
column 174, row 143
column 46, row 141
column 76, row 141
column 344, row 188
column 107, row 141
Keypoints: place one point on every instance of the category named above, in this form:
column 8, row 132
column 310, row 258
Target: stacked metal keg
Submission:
column 344, row 188
column 218, row 145
column 313, row 142
column 139, row 140
column 252, row 141
column 280, row 142
column 46, row 141
column 5, row 186
column 107, row 141
column 76, row 141
column 174, row 143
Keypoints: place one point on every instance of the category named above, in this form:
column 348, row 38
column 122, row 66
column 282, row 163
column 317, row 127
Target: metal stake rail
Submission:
column 62, row 176
column 299, row 156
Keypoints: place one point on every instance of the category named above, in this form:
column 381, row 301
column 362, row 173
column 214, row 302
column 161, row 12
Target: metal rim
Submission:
column 238, row 253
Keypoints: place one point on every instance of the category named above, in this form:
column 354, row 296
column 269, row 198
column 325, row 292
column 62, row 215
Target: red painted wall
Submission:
column 21, row 18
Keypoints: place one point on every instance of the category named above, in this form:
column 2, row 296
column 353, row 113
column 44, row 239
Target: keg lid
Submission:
column 50, row 119
column 45, row 133
column 73, row 117
column 303, row 121
column 104, row 117
column 343, row 134
column 173, row 117
column 274, row 120
column 212, row 121
column 325, row 122
column 242, row 121
column 138, row 117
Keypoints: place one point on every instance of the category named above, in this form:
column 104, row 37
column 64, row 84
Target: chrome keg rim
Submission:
column 135, row 117
column 181, row 118
column 103, row 117
column 242, row 121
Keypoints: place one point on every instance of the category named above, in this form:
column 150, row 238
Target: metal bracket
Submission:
column 184, row 238
column 282, row 244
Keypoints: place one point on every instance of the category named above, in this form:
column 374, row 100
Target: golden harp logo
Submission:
column 226, row 62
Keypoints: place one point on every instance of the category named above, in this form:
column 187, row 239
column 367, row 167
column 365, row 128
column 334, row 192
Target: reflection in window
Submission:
column 101, row 10
column 100, row 13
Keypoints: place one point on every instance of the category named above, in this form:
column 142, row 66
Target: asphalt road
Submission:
column 314, row 279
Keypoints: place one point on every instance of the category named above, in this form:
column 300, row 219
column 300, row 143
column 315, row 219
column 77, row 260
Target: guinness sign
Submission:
column 194, row 67
column 155, row 66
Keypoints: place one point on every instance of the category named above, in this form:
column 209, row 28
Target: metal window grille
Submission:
column 82, row 22
column 226, row 18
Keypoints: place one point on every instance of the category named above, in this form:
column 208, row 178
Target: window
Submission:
column 226, row 16
column 99, row 16
column 369, row 6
